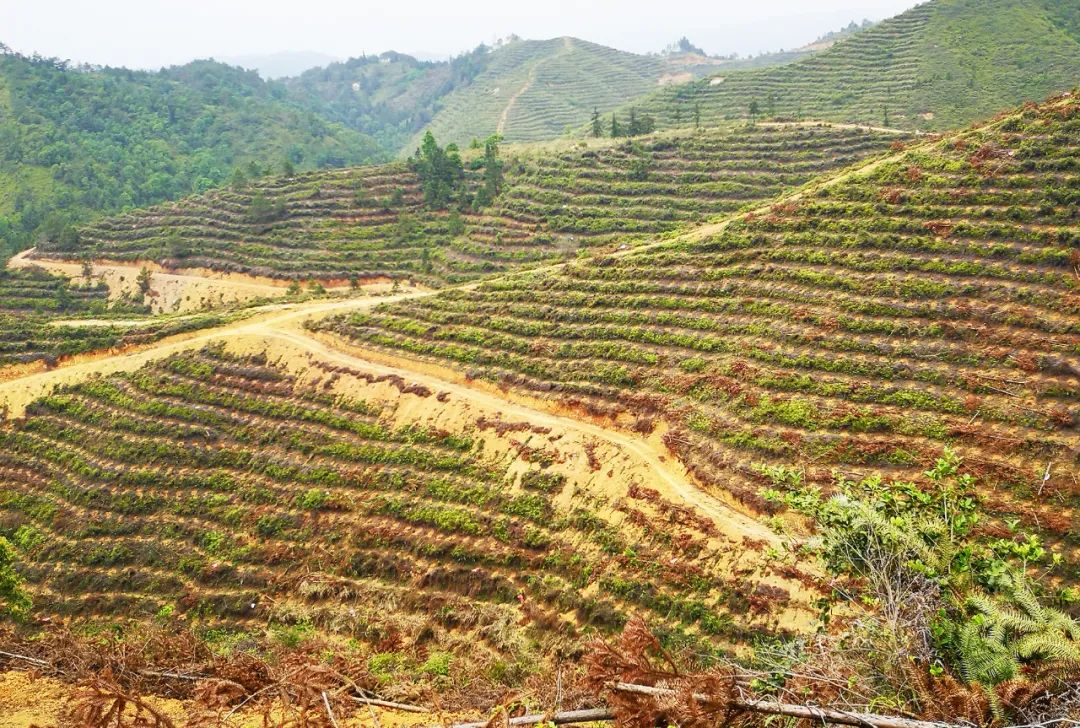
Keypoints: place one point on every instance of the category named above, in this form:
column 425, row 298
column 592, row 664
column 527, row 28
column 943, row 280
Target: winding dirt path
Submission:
column 668, row 473
column 285, row 323
column 500, row 126
column 18, row 392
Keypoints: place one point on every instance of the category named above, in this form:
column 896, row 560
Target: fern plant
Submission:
column 901, row 544
column 1004, row 634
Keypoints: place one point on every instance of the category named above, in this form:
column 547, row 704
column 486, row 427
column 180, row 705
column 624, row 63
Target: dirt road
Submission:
column 500, row 126
column 668, row 475
column 17, row 393
column 176, row 291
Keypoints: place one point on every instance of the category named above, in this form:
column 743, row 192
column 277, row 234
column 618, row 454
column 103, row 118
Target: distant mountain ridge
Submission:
column 505, row 89
column 282, row 64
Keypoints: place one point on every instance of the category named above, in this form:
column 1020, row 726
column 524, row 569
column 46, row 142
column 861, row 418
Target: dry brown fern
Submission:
column 638, row 657
column 103, row 703
column 947, row 699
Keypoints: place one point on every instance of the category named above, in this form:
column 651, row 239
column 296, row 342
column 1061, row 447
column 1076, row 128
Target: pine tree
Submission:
column 143, row 281
column 493, row 173
column 597, row 125
column 440, row 170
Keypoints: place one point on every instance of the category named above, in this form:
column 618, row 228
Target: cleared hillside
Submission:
column 371, row 222
column 930, row 300
column 220, row 487
column 941, row 65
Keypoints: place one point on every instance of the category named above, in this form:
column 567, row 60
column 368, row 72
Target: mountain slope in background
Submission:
column 527, row 90
column 534, row 90
column 389, row 96
column 940, row 65
column 74, row 141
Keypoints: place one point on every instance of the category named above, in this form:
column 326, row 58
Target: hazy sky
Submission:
column 152, row 33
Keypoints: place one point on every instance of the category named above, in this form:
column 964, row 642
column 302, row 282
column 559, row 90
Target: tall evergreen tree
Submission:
column 440, row 170
column 493, row 172
column 597, row 125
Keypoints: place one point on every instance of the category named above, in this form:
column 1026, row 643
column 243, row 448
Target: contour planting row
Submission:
column 924, row 303
column 866, row 78
column 369, row 222
column 219, row 486
column 535, row 90
column 938, row 66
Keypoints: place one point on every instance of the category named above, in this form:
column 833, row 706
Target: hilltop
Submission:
column 938, row 66
column 373, row 222
column 79, row 141
column 83, row 141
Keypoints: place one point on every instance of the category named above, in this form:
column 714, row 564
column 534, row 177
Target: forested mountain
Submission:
column 939, row 65
column 389, row 96
column 77, row 140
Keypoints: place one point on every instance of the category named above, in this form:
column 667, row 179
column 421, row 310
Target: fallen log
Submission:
column 565, row 717
column 389, row 705
column 767, row 707
column 770, row 707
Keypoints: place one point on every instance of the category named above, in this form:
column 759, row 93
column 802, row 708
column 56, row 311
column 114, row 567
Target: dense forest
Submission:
column 76, row 140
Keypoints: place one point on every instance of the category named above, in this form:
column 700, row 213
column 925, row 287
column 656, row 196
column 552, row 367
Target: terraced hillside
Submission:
column 221, row 487
column 930, row 300
column 32, row 303
column 534, row 90
column 941, row 65
column 370, row 221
